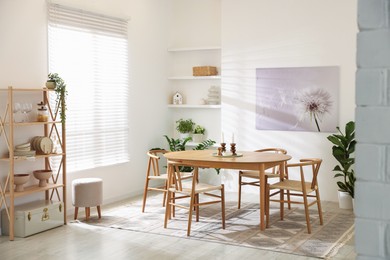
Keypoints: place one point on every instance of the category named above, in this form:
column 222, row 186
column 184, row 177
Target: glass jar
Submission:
column 42, row 115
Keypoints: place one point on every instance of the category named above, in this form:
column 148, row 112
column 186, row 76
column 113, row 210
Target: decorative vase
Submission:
column 20, row 180
column 42, row 176
column 345, row 200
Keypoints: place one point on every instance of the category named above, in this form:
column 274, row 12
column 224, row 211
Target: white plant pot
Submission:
column 197, row 138
column 184, row 135
column 209, row 176
column 345, row 200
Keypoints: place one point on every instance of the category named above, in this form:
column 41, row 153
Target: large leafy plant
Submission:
column 342, row 150
column 180, row 145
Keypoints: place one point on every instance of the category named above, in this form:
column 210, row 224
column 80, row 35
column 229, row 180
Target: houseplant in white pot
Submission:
column 198, row 135
column 342, row 150
column 185, row 127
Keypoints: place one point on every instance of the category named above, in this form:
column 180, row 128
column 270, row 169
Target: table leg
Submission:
column 262, row 196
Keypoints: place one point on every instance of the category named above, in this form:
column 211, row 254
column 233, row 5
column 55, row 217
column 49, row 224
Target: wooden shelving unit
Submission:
column 53, row 128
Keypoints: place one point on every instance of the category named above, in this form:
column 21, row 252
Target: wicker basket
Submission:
column 204, row 71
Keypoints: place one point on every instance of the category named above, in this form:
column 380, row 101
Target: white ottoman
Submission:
column 87, row 192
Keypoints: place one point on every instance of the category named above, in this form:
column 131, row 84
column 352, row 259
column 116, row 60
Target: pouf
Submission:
column 87, row 192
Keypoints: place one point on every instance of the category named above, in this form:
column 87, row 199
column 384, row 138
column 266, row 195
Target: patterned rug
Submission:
column 242, row 226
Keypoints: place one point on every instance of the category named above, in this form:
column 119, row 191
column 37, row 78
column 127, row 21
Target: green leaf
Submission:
column 335, row 140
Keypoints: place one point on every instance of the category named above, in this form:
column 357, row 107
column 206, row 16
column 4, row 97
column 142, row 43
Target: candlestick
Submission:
column 233, row 148
column 223, row 147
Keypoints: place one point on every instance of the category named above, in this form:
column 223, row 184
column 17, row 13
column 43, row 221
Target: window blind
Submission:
column 90, row 52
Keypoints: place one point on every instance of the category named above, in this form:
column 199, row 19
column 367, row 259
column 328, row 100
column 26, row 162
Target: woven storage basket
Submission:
column 204, row 71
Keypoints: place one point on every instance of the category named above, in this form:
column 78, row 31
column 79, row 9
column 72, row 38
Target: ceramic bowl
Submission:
column 42, row 176
column 20, row 180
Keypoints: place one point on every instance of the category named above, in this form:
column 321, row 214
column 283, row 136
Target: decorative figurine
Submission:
column 177, row 99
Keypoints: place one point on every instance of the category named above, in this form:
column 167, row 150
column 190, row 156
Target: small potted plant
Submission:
column 342, row 150
column 198, row 135
column 185, row 127
column 60, row 89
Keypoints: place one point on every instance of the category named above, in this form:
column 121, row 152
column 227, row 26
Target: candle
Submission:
column 222, row 138
column 233, row 138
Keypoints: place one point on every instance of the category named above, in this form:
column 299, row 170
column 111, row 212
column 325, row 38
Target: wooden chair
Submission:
column 192, row 190
column 254, row 175
column 153, row 174
column 300, row 188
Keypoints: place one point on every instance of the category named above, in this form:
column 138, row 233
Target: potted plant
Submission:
column 60, row 89
column 185, row 127
column 180, row 145
column 198, row 134
column 342, row 150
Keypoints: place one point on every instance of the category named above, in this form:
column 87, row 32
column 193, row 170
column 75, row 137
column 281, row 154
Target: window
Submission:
column 90, row 52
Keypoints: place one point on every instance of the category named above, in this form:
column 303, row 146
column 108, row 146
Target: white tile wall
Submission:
column 372, row 199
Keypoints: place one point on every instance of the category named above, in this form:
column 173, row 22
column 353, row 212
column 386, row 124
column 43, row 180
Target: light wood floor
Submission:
column 75, row 241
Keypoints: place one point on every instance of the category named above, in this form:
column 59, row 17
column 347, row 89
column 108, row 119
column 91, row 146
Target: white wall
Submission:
column 279, row 33
column 195, row 24
column 23, row 63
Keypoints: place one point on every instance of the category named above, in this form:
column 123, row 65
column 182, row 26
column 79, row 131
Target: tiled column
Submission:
column 372, row 195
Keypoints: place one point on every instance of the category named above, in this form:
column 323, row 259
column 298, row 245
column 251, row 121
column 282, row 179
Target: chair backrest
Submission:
column 153, row 162
column 313, row 163
column 275, row 170
column 177, row 175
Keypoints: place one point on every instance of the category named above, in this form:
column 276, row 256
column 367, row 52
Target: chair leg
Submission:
column 192, row 199
column 319, row 206
column 145, row 194
column 239, row 190
column 197, row 207
column 223, row 206
column 165, row 193
column 99, row 212
column 267, row 202
column 307, row 214
column 76, row 211
column 288, row 199
column 281, row 204
column 167, row 209
column 173, row 209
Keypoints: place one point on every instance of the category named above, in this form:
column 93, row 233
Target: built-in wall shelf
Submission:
column 206, row 48
column 195, row 106
column 195, row 77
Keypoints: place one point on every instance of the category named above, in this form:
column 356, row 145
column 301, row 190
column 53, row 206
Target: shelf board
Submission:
column 194, row 77
column 194, row 106
column 33, row 189
column 27, row 89
column 206, row 48
column 24, row 158
column 34, row 123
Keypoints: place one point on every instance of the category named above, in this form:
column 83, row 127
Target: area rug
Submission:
column 242, row 226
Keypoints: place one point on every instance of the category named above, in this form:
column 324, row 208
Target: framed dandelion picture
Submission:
column 297, row 99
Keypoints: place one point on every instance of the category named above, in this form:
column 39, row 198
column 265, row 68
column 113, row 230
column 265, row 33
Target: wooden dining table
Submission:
column 244, row 161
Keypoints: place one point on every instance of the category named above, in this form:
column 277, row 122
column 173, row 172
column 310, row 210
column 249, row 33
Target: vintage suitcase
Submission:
column 34, row 217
